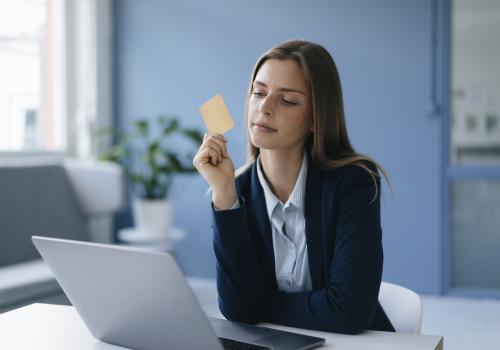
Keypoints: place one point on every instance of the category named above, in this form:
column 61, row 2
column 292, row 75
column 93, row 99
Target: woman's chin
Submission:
column 261, row 142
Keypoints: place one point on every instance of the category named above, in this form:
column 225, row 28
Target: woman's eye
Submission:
column 257, row 93
column 290, row 103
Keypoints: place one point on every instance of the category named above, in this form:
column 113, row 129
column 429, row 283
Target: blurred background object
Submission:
column 63, row 199
column 472, row 171
column 149, row 155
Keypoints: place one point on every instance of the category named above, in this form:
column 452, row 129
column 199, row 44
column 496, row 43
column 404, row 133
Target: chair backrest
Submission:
column 403, row 307
column 36, row 200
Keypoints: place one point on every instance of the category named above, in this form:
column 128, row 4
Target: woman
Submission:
column 297, row 233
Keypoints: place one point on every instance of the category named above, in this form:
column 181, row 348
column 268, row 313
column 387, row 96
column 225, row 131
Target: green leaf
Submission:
column 114, row 154
column 142, row 127
column 175, row 164
column 172, row 126
column 194, row 135
column 137, row 178
column 190, row 169
column 153, row 149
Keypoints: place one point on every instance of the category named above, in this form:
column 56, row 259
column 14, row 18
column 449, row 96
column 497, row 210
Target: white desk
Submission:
column 54, row 327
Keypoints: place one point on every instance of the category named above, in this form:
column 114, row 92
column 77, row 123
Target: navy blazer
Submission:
column 344, row 245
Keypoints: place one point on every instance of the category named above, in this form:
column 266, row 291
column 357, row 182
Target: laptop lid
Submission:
column 129, row 296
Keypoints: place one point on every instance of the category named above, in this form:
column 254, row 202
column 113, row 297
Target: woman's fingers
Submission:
column 222, row 142
column 217, row 141
column 213, row 149
column 205, row 155
column 216, row 151
column 218, row 145
column 207, row 134
column 212, row 156
column 218, row 136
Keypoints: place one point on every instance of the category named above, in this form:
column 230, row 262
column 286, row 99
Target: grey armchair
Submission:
column 58, row 200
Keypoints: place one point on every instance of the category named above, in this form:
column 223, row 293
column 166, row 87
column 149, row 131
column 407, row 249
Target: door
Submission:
column 472, row 178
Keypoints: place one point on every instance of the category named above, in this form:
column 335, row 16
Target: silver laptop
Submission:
column 140, row 299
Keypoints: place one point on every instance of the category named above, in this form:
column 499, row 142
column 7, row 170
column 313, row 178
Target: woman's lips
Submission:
column 262, row 128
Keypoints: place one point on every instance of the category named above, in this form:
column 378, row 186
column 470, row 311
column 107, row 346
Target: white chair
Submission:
column 403, row 307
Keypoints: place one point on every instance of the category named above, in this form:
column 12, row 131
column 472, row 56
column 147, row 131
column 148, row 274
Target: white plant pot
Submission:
column 152, row 217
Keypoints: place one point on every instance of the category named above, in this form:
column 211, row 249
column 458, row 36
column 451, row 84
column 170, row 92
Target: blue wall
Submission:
column 170, row 56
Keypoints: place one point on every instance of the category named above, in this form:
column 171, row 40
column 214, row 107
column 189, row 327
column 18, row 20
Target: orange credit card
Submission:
column 216, row 115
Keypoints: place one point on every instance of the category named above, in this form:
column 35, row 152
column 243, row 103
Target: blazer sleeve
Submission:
column 348, row 302
column 243, row 294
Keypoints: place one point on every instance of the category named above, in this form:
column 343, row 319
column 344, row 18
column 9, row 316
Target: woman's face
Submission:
column 279, row 108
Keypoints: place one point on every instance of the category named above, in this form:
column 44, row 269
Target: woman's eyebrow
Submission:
column 287, row 89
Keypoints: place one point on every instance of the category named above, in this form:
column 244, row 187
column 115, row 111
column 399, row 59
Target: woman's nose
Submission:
column 266, row 105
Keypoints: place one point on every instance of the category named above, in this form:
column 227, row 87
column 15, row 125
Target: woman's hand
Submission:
column 213, row 163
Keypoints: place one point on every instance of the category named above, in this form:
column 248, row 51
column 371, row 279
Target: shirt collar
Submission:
column 296, row 197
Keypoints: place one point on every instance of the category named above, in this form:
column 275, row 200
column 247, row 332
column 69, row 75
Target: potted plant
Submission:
column 150, row 164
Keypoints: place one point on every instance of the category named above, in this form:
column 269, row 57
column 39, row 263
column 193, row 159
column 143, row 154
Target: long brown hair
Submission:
column 329, row 143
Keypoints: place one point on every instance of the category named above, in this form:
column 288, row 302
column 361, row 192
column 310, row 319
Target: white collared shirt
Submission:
column 289, row 233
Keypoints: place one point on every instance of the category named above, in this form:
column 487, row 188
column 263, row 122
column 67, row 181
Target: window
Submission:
column 29, row 89
column 55, row 75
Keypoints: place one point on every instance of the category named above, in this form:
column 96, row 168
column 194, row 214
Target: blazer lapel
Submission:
column 257, row 215
column 312, row 206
